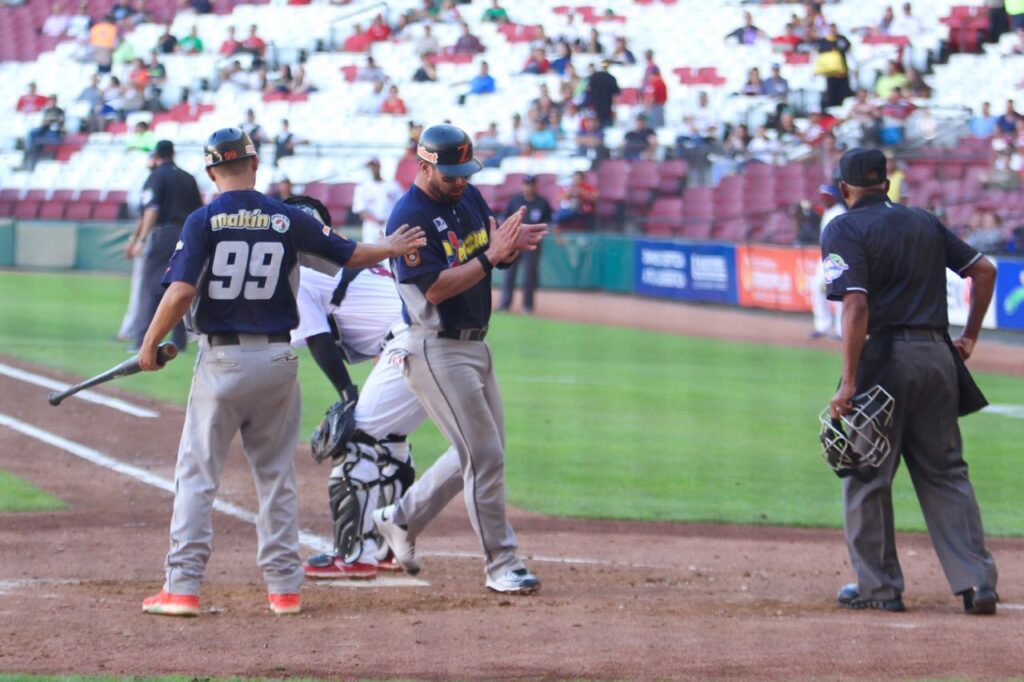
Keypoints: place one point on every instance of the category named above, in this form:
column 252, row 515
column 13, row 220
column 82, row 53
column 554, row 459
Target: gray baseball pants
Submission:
column 454, row 381
column 252, row 388
column 922, row 379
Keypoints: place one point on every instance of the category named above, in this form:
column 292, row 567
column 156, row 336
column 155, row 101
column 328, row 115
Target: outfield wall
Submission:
column 747, row 275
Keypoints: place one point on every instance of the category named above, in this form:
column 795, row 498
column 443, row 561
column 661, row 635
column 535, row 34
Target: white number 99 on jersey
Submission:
column 252, row 272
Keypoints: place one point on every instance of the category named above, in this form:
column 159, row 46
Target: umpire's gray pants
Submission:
column 251, row 388
column 455, row 383
column 922, row 379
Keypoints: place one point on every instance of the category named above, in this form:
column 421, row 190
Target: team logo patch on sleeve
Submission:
column 834, row 267
column 440, row 224
column 280, row 223
column 412, row 260
column 326, row 231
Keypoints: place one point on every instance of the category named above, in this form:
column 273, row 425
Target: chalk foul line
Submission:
column 88, row 395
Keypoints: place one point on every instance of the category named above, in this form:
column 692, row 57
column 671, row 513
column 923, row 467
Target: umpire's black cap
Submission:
column 226, row 145
column 862, row 167
column 448, row 148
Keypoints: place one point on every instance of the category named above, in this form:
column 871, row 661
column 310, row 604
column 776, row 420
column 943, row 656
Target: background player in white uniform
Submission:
column 828, row 315
column 351, row 317
column 373, row 201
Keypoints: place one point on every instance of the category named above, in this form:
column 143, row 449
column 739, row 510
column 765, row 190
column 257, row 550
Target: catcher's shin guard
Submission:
column 352, row 490
column 397, row 472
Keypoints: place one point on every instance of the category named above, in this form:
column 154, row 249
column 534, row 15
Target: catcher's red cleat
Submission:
column 167, row 604
column 390, row 563
column 328, row 567
column 285, row 604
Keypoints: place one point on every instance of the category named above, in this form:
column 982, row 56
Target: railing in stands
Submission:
column 346, row 19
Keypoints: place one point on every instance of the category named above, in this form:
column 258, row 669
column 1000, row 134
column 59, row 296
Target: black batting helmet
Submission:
column 448, row 148
column 227, row 144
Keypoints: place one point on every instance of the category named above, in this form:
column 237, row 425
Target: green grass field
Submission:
column 602, row 422
column 19, row 495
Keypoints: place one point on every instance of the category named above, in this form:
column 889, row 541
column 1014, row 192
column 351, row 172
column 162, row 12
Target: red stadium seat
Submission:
column 78, row 210
column 10, row 194
column 7, row 208
column 36, row 194
column 26, row 210
column 62, row 195
column 106, row 211
column 665, row 218
column 52, row 210
column 90, row 196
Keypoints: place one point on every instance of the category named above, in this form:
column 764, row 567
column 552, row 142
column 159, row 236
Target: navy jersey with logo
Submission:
column 241, row 253
column 897, row 256
column 456, row 233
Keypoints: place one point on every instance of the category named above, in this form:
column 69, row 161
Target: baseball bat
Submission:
column 164, row 353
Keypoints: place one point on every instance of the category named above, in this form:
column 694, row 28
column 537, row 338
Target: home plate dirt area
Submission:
column 624, row 600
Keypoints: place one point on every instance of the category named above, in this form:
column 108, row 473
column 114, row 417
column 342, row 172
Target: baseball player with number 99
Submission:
column 235, row 271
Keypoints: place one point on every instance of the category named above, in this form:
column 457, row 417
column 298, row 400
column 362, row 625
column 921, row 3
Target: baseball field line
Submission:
column 88, row 395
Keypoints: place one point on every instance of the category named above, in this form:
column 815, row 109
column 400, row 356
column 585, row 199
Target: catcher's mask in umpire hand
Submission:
column 858, row 443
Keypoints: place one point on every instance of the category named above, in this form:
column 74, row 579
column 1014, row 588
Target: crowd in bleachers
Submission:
column 780, row 85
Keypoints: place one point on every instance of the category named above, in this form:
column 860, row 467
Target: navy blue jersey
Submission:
column 897, row 256
column 456, row 233
column 241, row 253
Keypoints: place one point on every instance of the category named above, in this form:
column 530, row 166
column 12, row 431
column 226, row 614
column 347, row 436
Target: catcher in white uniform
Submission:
column 351, row 317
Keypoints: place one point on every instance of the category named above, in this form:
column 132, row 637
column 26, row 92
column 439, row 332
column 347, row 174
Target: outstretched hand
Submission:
column 505, row 237
column 530, row 236
column 405, row 240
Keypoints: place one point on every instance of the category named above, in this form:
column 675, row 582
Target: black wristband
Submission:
column 485, row 262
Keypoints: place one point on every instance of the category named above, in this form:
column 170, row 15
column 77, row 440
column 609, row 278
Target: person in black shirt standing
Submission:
column 168, row 197
column 602, row 89
column 887, row 264
column 538, row 210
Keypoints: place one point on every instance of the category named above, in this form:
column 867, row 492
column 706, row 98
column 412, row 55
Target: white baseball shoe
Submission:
column 397, row 538
column 519, row 581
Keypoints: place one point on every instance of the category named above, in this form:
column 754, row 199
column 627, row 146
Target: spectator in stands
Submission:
column 537, row 63
column 985, row 231
column 427, row 72
column 814, row 21
column 763, row 147
column 31, row 102
column 908, row 25
column 621, row 54
column 885, row 23
column 563, row 58
column 157, row 72
column 818, row 126
column 379, row 29
column 167, row 43
column 916, row 87
column 142, row 138
column 1006, row 168
column 894, row 77
column 786, row 130
column 837, row 82
column 737, row 142
column 542, row 138
column 253, row 44
column 140, row 16
column 576, row 204
column 706, row 119
column 467, row 42
column 495, row 13
column 449, row 13
column 201, row 6
column 102, row 41
column 192, row 43
column 592, row 45
column 251, row 127
column 590, row 137
column 866, row 114
column 602, row 90
column 748, row 33
column 359, row 41
column 78, row 29
column 393, row 104
column 371, row 72
column 282, row 189
column 641, row 142
column 49, row 132
column 775, row 85
column 120, row 11
column 113, row 100
column 655, row 95
column 1015, row 13
column 427, row 43
column 373, row 202
column 282, row 81
column 754, row 84
column 984, row 124
column 572, row 117
column 517, row 137
column 300, row 79
column 894, row 172
column 57, row 21
column 488, row 147
column 92, row 97
column 371, row 101
column 285, row 142
column 480, row 84
column 540, row 108
column 691, row 137
column 789, row 41
column 895, row 112
column 234, row 76
column 1007, row 122
column 230, row 45
column 124, row 53
column 139, row 73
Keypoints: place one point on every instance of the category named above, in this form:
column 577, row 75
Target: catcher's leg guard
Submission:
column 397, row 471
column 353, row 492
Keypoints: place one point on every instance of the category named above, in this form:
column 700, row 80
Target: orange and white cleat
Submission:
column 285, row 604
column 167, row 604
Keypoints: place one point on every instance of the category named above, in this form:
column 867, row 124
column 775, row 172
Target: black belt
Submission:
column 477, row 334
column 917, row 334
column 233, row 340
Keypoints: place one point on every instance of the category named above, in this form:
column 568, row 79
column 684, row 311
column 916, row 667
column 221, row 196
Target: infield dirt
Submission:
column 620, row 599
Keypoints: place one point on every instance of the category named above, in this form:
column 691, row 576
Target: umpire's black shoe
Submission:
column 849, row 598
column 980, row 601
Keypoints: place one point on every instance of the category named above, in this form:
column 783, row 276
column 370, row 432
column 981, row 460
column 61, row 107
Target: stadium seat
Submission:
column 106, row 211
column 78, row 210
column 665, row 218
column 52, row 210
column 7, row 208
column 26, row 209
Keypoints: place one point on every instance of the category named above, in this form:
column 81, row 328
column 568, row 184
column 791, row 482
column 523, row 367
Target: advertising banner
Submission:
column 774, row 277
column 691, row 272
column 1009, row 297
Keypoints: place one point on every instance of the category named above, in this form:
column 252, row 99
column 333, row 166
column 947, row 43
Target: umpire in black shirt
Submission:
column 887, row 264
column 538, row 210
column 168, row 197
